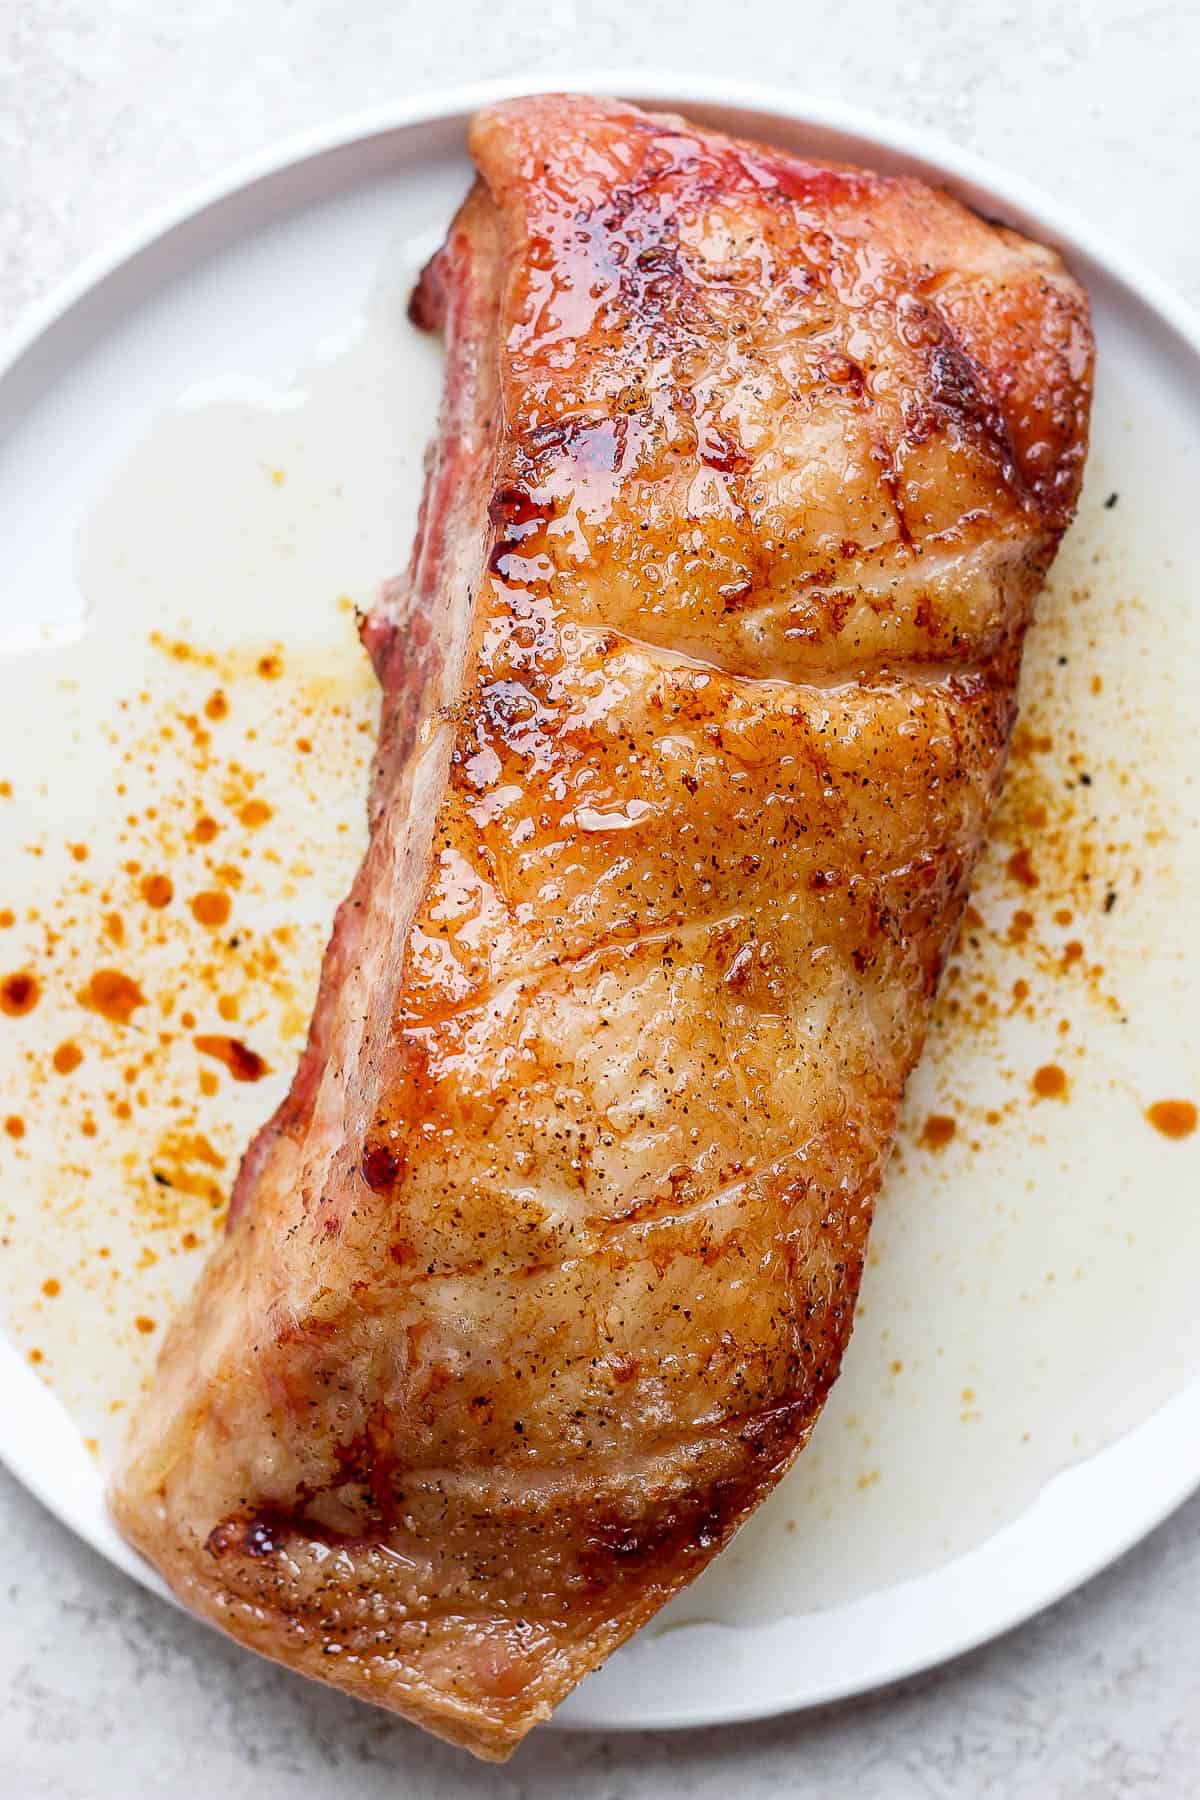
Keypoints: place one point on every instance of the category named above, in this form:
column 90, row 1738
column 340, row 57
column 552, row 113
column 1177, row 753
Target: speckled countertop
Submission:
column 106, row 112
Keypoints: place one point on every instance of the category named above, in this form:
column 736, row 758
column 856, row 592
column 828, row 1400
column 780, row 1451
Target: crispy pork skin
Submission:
column 695, row 700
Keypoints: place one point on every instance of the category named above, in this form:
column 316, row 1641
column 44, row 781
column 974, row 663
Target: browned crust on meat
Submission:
column 696, row 698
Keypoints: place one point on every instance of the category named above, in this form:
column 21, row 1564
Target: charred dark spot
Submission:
column 516, row 518
column 710, row 1529
column 380, row 1167
column 615, row 1548
column 952, row 379
column 720, row 450
column 656, row 257
column 515, row 512
column 737, row 595
column 626, row 1543
column 843, row 371
column 260, row 1538
column 260, row 1535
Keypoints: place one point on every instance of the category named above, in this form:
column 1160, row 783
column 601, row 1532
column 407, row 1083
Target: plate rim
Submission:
column 965, row 172
column 918, row 143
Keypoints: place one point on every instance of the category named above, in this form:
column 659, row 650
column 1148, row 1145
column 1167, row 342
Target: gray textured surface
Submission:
column 106, row 111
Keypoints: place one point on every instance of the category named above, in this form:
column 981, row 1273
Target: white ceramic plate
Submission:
column 926, row 1560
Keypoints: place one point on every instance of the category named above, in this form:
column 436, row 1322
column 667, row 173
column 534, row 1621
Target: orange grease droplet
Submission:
column 1020, row 867
column 243, row 1063
column 157, row 890
column 1174, row 1118
column 113, row 995
column 1020, row 925
column 210, row 908
column 19, row 994
column 937, row 1132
